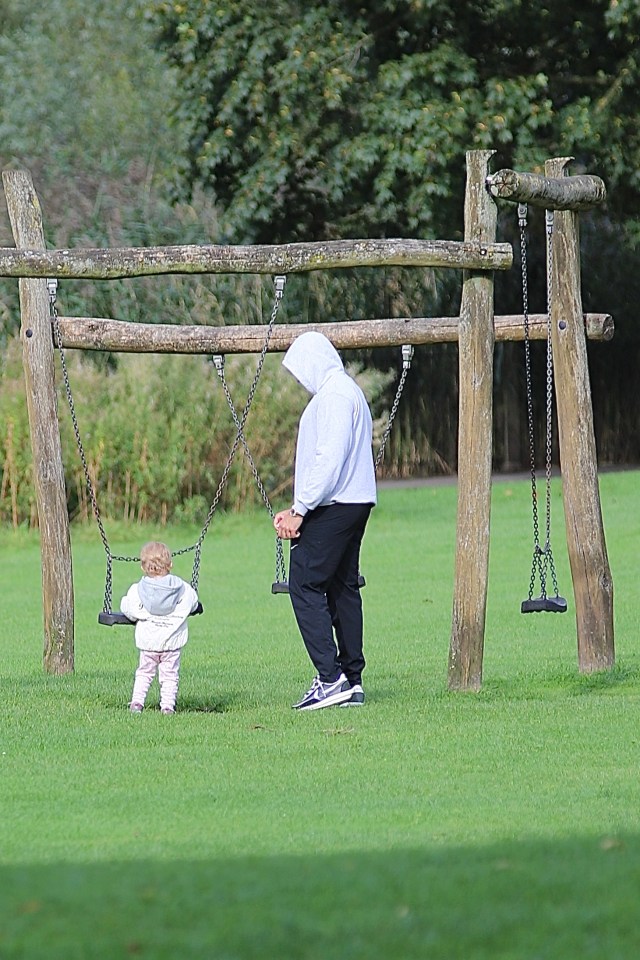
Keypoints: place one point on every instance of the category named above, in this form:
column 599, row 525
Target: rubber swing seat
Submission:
column 109, row 618
column 544, row 605
column 282, row 586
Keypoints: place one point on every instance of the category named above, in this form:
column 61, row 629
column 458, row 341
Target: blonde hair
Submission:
column 155, row 558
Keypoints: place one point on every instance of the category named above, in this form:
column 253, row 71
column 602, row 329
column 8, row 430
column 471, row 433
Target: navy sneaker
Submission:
column 324, row 694
column 357, row 697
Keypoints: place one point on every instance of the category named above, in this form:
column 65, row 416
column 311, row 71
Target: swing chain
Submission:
column 407, row 357
column 549, row 220
column 52, row 287
column 522, row 222
column 197, row 546
column 110, row 557
column 542, row 557
column 218, row 362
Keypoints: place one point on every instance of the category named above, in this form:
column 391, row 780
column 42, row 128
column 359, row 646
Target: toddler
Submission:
column 160, row 604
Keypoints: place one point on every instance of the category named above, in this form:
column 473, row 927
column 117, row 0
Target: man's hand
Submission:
column 287, row 525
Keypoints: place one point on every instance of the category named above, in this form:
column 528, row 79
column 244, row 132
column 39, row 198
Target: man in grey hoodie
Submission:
column 160, row 604
column 334, row 491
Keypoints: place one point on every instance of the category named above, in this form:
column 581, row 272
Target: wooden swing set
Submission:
column 475, row 330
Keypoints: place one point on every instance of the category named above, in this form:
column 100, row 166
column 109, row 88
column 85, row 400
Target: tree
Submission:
column 84, row 110
column 343, row 119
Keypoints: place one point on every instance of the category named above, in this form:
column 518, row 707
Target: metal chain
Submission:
column 407, row 356
column 549, row 218
column 522, row 222
column 110, row 557
column 197, row 546
column 52, row 286
column 218, row 361
column 542, row 563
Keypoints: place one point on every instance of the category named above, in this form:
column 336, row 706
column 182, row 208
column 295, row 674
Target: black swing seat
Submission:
column 114, row 618
column 544, row 605
column 282, row 586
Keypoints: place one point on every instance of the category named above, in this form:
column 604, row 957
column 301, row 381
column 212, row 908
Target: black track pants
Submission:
column 323, row 586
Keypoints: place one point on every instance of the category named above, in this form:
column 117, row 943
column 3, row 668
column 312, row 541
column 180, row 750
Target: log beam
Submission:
column 48, row 472
column 116, row 262
column 121, row 336
column 553, row 193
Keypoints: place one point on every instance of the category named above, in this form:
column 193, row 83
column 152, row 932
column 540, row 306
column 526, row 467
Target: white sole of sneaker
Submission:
column 333, row 701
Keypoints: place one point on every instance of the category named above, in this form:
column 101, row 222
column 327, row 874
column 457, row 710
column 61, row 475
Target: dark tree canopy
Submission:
column 347, row 119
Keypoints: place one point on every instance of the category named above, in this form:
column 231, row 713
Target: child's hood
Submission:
column 159, row 595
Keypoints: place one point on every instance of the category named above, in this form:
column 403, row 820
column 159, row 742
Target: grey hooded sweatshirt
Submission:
column 160, row 607
column 334, row 457
column 161, row 594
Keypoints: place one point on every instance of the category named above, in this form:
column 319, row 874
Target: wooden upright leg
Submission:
column 48, row 472
column 475, row 345
column 592, row 581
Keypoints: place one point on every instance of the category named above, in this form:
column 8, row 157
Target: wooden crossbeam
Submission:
column 90, row 333
column 287, row 258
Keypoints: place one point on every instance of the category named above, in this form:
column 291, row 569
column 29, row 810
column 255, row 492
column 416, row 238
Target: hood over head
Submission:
column 159, row 595
column 311, row 359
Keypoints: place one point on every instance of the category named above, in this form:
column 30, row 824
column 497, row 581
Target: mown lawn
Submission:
column 503, row 824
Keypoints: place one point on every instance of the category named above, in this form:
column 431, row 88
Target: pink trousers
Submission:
column 167, row 666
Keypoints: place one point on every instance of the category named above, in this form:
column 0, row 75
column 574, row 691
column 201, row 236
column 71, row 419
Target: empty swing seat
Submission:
column 113, row 618
column 282, row 586
column 544, row 605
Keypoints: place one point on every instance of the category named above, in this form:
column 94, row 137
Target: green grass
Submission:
column 503, row 824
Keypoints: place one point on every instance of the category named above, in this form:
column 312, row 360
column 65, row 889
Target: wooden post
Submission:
column 592, row 582
column 38, row 362
column 475, row 346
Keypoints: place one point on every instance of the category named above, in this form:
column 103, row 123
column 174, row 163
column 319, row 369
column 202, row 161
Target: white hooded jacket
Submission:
column 160, row 606
column 334, row 457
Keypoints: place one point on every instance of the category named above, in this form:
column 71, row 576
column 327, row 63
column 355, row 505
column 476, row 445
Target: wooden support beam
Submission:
column 121, row 336
column 554, row 193
column 590, row 572
column 48, row 473
column 475, row 427
column 116, row 262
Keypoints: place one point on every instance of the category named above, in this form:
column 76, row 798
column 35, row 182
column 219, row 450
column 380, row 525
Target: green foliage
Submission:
column 156, row 435
column 85, row 111
column 343, row 119
column 17, row 498
column 347, row 119
column 287, row 121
